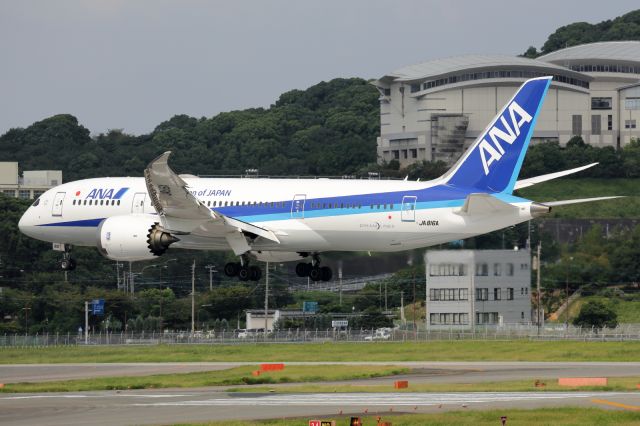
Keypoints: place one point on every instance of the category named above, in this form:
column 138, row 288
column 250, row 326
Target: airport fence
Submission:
column 624, row 332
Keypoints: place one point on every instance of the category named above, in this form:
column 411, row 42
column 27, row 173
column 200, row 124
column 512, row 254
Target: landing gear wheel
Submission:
column 244, row 273
column 72, row 264
column 255, row 273
column 303, row 269
column 315, row 274
column 325, row 273
column 231, row 269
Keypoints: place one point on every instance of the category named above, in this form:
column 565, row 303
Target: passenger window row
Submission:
column 96, row 202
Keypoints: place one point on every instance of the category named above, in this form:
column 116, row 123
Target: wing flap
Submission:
column 182, row 213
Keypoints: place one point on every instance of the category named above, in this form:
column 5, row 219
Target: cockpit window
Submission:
column 36, row 202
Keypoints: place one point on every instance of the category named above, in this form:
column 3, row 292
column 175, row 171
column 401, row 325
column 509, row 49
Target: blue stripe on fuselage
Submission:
column 441, row 196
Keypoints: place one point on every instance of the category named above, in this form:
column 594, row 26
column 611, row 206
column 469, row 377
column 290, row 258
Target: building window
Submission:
column 521, row 315
column 24, row 194
column 482, row 294
column 446, row 269
column 609, row 122
column 576, row 125
column 596, row 123
column 497, row 269
column 510, row 294
column 497, row 293
column 396, row 154
column 9, row 192
column 54, row 182
column 632, row 103
column 482, row 269
column 510, row 269
column 449, row 318
column 486, row 317
column 448, row 294
column 629, row 124
column 414, row 153
column 601, row 103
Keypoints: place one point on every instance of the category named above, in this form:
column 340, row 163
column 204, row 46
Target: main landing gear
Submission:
column 67, row 263
column 313, row 270
column 243, row 270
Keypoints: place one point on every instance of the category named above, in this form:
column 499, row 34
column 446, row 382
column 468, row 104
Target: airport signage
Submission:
column 339, row 323
column 322, row 423
column 310, row 307
column 97, row 307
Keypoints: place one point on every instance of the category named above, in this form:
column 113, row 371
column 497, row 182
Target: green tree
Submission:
column 597, row 315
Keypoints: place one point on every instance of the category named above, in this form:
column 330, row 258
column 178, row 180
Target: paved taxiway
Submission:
column 433, row 372
column 166, row 407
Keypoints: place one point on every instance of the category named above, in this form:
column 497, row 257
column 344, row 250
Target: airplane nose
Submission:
column 25, row 224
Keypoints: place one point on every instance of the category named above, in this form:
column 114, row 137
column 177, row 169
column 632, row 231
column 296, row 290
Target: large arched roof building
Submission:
column 432, row 110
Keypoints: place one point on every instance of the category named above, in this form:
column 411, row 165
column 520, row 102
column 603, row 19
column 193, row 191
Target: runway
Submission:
column 166, row 407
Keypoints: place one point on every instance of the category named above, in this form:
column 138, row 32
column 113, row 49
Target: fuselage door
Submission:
column 408, row 213
column 297, row 206
column 138, row 202
column 58, row 200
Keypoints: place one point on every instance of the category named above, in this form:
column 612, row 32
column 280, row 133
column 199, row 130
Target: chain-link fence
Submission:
column 623, row 332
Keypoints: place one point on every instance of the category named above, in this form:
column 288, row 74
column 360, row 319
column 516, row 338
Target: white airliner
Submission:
column 132, row 219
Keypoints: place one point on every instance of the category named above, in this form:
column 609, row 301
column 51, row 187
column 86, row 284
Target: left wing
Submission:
column 182, row 213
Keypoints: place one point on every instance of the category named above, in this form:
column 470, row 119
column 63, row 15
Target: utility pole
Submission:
column 539, row 267
column 212, row 269
column 193, row 296
column 415, row 330
column 86, row 323
column 402, row 307
column 340, row 278
column 266, row 301
column 118, row 275
column 385, row 297
column 131, row 280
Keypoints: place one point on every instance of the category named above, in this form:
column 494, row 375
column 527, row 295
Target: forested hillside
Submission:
column 625, row 27
column 327, row 129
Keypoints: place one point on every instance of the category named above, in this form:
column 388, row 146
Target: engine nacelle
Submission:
column 132, row 238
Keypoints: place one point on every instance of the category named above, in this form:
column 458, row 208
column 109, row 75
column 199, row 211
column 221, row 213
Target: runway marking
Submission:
column 44, row 396
column 404, row 399
column 616, row 404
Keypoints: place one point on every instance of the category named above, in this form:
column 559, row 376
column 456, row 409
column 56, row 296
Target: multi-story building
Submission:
column 466, row 288
column 434, row 110
column 32, row 184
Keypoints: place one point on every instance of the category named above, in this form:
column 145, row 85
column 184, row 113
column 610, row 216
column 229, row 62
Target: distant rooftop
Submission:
column 627, row 51
column 455, row 64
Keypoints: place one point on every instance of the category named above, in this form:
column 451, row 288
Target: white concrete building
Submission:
column 32, row 184
column 466, row 288
column 433, row 110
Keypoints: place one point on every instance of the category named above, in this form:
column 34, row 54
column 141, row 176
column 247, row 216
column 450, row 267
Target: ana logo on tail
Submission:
column 490, row 153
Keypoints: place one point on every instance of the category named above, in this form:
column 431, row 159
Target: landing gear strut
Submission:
column 313, row 270
column 67, row 263
column 243, row 270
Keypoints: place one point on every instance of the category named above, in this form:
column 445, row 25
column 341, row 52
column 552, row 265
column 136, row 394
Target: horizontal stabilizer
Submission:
column 577, row 201
column 483, row 204
column 524, row 183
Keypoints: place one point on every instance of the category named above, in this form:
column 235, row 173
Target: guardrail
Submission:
column 625, row 332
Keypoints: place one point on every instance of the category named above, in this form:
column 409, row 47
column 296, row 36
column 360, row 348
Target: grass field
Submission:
column 562, row 189
column 628, row 310
column 615, row 384
column 542, row 416
column 233, row 376
column 510, row 350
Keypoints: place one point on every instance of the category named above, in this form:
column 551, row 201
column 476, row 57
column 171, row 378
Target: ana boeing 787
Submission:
column 132, row 219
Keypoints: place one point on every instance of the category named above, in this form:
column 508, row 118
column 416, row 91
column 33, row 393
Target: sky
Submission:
column 132, row 64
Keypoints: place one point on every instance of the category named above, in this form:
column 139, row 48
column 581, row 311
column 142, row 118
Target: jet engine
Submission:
column 132, row 238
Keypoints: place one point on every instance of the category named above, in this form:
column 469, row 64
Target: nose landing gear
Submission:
column 67, row 263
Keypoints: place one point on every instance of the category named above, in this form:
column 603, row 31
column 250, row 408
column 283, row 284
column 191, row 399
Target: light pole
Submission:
column 26, row 319
column 212, row 270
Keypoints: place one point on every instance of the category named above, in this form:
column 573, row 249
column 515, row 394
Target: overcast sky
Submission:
column 127, row 64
